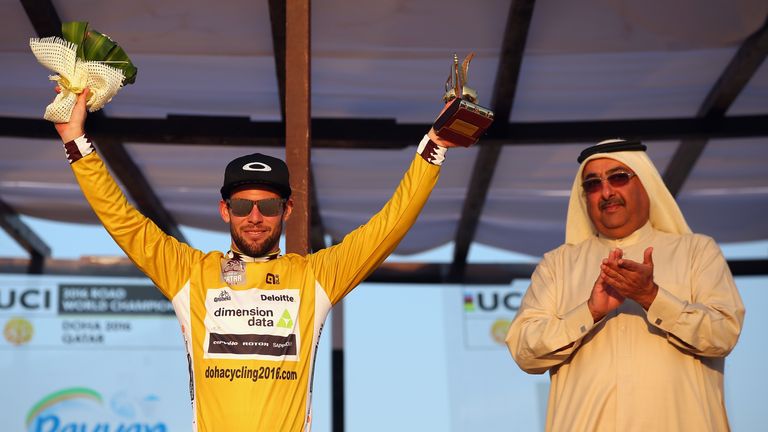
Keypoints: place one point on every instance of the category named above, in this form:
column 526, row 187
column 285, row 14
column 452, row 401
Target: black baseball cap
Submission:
column 259, row 170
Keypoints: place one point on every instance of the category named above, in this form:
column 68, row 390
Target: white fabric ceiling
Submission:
column 586, row 60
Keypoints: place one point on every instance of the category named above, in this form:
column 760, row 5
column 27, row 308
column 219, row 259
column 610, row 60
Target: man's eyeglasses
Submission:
column 615, row 179
column 242, row 207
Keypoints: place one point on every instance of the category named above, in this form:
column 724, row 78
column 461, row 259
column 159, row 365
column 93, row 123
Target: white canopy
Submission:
column 592, row 60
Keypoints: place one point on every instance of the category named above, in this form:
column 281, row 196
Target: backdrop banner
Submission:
column 90, row 353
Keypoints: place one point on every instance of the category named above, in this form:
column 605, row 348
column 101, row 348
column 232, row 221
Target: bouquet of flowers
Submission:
column 83, row 58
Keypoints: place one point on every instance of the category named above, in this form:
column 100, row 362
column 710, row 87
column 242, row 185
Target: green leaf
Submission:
column 130, row 72
column 74, row 32
column 96, row 45
column 118, row 59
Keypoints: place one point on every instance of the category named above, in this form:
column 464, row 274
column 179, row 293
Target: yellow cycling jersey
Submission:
column 251, row 329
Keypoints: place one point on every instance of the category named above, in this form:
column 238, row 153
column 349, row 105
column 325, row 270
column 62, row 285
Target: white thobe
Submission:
column 660, row 370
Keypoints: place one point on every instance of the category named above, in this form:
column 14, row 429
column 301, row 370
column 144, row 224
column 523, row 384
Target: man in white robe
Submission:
column 633, row 316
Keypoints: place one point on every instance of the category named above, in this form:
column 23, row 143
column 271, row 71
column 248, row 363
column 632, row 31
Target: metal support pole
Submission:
column 297, row 121
column 337, row 367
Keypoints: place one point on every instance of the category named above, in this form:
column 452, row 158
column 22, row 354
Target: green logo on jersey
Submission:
column 285, row 321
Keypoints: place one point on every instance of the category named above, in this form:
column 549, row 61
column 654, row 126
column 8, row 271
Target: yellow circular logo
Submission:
column 18, row 331
column 499, row 330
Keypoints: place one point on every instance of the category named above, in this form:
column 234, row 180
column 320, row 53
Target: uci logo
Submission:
column 492, row 301
column 273, row 279
column 30, row 299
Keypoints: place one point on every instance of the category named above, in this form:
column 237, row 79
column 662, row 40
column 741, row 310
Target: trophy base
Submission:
column 463, row 122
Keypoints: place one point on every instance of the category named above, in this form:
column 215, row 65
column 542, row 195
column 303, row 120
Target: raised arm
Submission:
column 161, row 257
column 342, row 267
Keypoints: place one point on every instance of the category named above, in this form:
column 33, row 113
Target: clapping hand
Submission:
column 632, row 279
column 604, row 297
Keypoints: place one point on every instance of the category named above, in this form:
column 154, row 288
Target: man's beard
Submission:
column 259, row 249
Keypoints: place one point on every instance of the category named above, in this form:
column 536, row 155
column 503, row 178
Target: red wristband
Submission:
column 78, row 148
column 431, row 152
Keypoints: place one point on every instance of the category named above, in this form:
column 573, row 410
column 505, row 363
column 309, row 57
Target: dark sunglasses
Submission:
column 269, row 207
column 616, row 179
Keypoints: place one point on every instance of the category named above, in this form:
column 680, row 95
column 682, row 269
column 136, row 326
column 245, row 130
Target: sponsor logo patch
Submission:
column 256, row 324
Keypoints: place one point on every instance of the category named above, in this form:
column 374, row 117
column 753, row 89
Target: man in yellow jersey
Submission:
column 634, row 315
column 251, row 318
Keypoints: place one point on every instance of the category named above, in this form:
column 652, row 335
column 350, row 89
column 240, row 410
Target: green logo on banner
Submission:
column 285, row 321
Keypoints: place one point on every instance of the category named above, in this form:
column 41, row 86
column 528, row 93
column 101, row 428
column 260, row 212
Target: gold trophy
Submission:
column 463, row 121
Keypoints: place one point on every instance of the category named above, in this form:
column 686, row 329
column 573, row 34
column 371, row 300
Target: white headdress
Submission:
column 665, row 215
